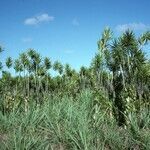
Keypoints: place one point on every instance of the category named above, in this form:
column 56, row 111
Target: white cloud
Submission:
column 31, row 21
column 27, row 40
column 75, row 22
column 132, row 26
column 45, row 17
column 38, row 19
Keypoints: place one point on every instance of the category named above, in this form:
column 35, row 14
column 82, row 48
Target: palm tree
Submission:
column 48, row 65
column 9, row 62
column 124, row 59
column 82, row 73
column 25, row 63
column 68, row 72
column 31, row 53
column 144, row 38
column 18, row 69
column 97, row 66
column 18, row 66
column 41, row 73
column 32, row 57
column 57, row 66
column 35, row 64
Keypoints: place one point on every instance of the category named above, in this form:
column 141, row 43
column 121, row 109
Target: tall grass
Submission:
column 71, row 124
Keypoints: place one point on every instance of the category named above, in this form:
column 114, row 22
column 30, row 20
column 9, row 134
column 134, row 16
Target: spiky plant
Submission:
column 9, row 62
column 57, row 66
column 47, row 65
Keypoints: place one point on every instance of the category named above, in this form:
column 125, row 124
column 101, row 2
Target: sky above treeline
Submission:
column 67, row 30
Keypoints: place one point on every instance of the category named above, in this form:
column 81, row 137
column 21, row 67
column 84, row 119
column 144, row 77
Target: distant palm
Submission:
column 57, row 66
column 9, row 62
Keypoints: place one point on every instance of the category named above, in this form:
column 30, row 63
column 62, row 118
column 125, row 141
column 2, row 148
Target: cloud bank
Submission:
column 132, row 26
column 38, row 19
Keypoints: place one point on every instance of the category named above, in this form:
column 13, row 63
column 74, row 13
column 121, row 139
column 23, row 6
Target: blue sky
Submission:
column 66, row 30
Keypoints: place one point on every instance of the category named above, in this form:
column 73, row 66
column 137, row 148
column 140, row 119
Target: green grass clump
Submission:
column 71, row 124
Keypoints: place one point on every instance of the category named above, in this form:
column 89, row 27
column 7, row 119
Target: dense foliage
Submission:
column 41, row 111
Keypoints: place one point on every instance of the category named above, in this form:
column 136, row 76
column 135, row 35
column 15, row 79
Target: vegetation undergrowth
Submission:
column 65, row 123
column 101, row 107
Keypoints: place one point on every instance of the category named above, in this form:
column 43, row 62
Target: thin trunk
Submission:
column 28, row 84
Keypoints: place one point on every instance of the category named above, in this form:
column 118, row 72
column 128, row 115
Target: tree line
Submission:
column 118, row 77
